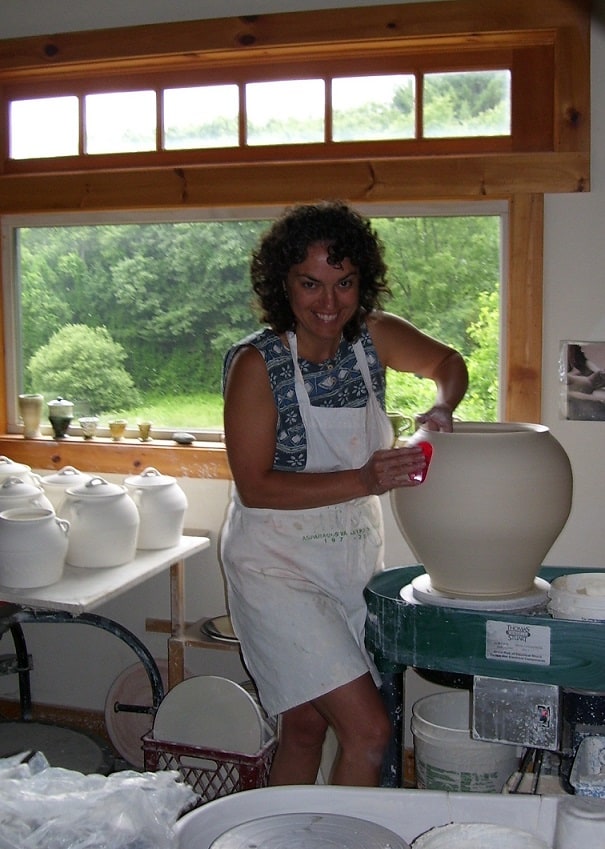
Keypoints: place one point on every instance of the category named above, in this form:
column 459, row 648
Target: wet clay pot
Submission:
column 495, row 498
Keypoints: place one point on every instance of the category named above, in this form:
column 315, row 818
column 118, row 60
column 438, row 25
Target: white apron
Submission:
column 295, row 578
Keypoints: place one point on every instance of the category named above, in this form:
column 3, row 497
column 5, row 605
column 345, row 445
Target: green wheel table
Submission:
column 402, row 633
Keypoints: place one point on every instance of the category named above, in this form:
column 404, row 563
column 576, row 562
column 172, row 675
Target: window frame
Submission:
column 548, row 151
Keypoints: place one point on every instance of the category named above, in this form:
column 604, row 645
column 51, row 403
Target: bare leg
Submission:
column 363, row 729
column 360, row 721
column 298, row 756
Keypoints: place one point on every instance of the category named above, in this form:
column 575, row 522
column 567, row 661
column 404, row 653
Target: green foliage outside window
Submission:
column 161, row 304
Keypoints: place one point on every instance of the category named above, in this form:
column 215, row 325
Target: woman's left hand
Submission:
column 438, row 417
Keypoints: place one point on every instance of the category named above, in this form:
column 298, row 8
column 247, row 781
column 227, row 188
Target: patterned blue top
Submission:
column 333, row 383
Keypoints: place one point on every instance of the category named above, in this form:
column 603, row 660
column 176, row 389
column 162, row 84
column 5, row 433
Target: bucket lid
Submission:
column 149, row 477
column 96, row 487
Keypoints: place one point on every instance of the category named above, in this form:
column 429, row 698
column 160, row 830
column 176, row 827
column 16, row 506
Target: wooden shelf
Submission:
column 191, row 636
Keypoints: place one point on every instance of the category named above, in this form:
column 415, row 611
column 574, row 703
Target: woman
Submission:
column 309, row 445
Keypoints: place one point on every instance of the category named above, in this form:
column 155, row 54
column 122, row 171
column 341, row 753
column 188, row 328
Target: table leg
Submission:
column 393, row 693
column 176, row 649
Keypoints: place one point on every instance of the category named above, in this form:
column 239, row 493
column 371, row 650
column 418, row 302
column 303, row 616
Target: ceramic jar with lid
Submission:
column 60, row 415
column 161, row 504
column 17, row 492
column 33, row 545
column 56, row 483
column 104, row 524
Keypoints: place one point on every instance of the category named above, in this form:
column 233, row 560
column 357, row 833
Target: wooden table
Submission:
column 80, row 591
column 401, row 632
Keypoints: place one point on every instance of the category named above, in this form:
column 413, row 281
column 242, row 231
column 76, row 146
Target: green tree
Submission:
column 481, row 401
column 85, row 365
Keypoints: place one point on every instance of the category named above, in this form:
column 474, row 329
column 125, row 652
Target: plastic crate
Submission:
column 210, row 772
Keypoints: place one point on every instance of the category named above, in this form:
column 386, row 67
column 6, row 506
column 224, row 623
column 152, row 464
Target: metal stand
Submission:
column 12, row 617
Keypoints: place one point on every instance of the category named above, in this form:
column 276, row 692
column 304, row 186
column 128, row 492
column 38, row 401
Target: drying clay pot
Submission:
column 495, row 498
column 161, row 504
column 33, row 544
column 104, row 524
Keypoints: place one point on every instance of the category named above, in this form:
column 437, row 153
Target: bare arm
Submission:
column 250, row 421
column 403, row 347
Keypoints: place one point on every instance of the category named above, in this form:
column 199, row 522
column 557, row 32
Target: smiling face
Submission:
column 323, row 298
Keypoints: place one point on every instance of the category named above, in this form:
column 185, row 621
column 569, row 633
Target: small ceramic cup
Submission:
column 89, row 426
column 144, row 431
column 117, row 428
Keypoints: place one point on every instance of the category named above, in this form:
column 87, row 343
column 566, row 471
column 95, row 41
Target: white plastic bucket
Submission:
column 579, row 595
column 447, row 757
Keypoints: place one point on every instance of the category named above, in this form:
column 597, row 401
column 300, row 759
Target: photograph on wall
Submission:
column 582, row 372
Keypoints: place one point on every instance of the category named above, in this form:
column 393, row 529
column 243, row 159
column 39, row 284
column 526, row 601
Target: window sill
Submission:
column 129, row 456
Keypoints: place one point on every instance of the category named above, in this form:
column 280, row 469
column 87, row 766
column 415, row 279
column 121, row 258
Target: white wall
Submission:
column 574, row 308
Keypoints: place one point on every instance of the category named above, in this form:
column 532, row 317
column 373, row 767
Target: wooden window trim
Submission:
column 521, row 177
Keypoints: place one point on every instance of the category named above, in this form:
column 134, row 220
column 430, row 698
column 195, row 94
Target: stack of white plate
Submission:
column 210, row 712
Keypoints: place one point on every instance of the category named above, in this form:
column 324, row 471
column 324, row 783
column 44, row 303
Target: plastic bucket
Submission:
column 578, row 596
column 447, row 757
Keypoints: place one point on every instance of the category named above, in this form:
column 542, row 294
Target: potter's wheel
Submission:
column 420, row 590
column 309, row 831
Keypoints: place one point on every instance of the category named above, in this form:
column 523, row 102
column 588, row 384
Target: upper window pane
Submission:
column 470, row 103
column 372, row 108
column 43, row 127
column 120, row 122
column 285, row 112
column 201, row 116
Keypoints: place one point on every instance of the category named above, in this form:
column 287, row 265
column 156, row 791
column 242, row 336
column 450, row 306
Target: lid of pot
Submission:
column 96, row 487
column 149, row 477
column 9, row 467
column 13, row 485
column 67, row 476
column 60, row 405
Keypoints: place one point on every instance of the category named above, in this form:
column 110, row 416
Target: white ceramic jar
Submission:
column 495, row 497
column 17, row 492
column 161, row 504
column 56, row 483
column 104, row 524
column 33, row 545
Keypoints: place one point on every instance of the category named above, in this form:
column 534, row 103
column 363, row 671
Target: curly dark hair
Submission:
column 348, row 235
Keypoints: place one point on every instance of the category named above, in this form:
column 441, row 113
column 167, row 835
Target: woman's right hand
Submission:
column 394, row 467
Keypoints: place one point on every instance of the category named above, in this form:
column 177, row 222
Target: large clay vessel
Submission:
column 495, row 497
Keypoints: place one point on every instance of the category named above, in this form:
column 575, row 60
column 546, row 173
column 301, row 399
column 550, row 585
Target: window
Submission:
column 132, row 320
column 276, row 112
column 536, row 141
